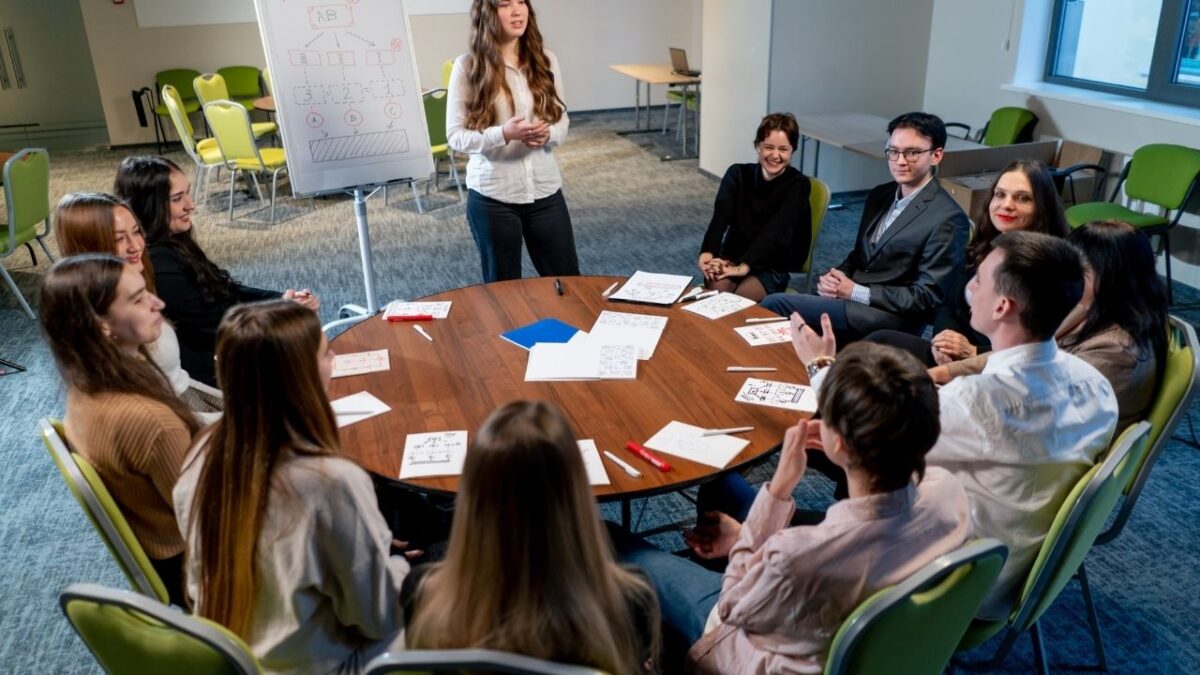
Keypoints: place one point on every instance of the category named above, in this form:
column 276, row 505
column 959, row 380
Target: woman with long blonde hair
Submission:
column 529, row 568
column 505, row 110
column 285, row 543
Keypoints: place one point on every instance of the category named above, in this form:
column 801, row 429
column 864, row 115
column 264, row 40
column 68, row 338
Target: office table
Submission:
column 651, row 74
column 265, row 104
column 455, row 382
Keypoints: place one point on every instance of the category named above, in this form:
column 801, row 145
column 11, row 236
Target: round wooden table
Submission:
column 265, row 104
column 455, row 381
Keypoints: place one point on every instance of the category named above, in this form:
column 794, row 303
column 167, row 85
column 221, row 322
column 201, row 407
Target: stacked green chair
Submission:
column 181, row 79
column 1006, row 126
column 243, row 84
column 447, row 68
column 469, row 660
column 205, row 153
column 130, row 633
column 1160, row 174
column 231, row 125
column 211, row 87
column 27, row 200
column 914, row 626
column 104, row 514
column 435, row 120
column 1079, row 521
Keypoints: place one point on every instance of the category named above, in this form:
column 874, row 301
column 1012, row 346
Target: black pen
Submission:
column 558, row 286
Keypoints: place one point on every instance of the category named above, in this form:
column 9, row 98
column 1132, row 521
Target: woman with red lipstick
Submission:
column 1023, row 198
column 761, row 226
column 505, row 110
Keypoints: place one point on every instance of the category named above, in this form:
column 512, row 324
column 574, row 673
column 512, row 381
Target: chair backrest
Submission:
column 266, row 78
column 435, row 115
column 210, row 87
column 1010, row 125
column 230, row 124
column 101, row 510
column 1079, row 521
column 457, row 660
column 180, row 78
column 130, row 633
column 818, row 204
column 26, row 195
column 914, row 626
column 1162, row 174
column 183, row 126
column 241, row 81
column 447, row 68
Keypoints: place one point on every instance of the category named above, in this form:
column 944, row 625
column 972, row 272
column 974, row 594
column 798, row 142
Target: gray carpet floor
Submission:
column 630, row 211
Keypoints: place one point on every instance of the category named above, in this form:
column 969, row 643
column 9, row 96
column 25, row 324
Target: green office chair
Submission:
column 181, row 79
column 686, row 100
column 818, row 204
column 469, row 660
column 914, row 626
column 447, row 68
column 266, row 78
column 243, row 84
column 1006, row 126
column 435, row 119
column 231, row 125
column 27, row 202
column 130, row 633
column 1079, row 521
column 205, row 153
column 103, row 513
column 211, row 87
column 1160, row 174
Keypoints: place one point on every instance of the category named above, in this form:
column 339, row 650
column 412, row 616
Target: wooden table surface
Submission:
column 455, row 381
column 266, row 103
column 654, row 73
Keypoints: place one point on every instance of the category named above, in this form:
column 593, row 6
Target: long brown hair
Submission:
column 275, row 404
column 76, row 293
column 84, row 223
column 485, row 69
column 529, row 568
column 1048, row 215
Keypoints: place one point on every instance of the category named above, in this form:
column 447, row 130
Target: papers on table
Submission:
column 777, row 395
column 591, row 462
column 581, row 360
column 687, row 441
column 719, row 305
column 440, row 453
column 546, row 330
column 398, row 308
column 652, row 288
column 766, row 333
column 623, row 328
column 356, row 408
column 360, row 363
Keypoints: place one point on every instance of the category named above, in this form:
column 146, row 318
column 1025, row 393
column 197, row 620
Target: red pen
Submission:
column 411, row 317
column 654, row 460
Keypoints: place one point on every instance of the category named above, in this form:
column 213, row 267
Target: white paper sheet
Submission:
column 360, row 363
column 623, row 328
column 719, row 305
column 438, row 310
column 357, row 407
column 440, row 453
column 686, row 441
column 652, row 288
column 550, row 361
column 766, row 333
column 777, row 395
column 596, row 473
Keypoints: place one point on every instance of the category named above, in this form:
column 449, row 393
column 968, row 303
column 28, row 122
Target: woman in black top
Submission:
column 761, row 226
column 196, row 290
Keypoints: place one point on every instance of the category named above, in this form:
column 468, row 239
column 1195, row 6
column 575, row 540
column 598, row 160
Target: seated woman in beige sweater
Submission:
column 122, row 414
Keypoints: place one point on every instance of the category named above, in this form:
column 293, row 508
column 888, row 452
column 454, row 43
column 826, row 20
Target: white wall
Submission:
column 737, row 50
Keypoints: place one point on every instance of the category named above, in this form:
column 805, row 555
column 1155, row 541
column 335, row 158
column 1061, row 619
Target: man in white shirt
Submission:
column 1020, row 434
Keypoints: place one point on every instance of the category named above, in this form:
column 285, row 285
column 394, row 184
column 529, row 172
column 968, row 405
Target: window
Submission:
column 1146, row 48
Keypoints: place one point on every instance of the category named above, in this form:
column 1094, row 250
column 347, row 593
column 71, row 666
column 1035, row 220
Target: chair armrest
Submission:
column 959, row 125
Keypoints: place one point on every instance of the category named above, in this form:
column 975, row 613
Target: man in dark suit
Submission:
column 911, row 245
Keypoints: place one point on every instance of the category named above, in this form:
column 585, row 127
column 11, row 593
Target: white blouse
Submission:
column 165, row 352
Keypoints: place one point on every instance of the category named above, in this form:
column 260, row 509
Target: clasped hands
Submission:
column 715, row 269
column 835, row 284
column 532, row 134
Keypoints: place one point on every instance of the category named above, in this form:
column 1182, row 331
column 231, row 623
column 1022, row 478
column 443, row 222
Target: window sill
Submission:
column 1098, row 99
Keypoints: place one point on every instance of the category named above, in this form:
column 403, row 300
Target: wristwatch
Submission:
column 814, row 366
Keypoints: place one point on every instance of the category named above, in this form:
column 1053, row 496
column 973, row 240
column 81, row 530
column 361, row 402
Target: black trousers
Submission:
column 544, row 225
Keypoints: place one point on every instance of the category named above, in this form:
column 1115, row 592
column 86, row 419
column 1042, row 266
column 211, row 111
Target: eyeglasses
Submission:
column 910, row 155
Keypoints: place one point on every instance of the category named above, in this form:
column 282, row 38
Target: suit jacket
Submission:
column 915, row 265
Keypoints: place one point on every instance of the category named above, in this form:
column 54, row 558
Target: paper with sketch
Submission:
column 356, row 408
column 438, row 310
column 778, row 395
column 623, row 328
column 766, row 333
column 596, row 473
column 686, row 441
column 360, row 363
column 652, row 288
column 719, row 305
column 585, row 360
column 440, row 453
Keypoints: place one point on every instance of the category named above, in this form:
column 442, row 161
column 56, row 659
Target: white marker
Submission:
column 731, row 430
column 750, row 369
column 634, row 473
column 767, row 320
column 691, row 295
column 706, row 294
column 608, row 291
column 425, row 335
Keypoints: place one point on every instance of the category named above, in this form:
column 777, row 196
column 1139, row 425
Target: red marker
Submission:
column 650, row 457
column 411, row 317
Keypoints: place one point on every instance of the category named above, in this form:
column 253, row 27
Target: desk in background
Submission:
column 651, row 74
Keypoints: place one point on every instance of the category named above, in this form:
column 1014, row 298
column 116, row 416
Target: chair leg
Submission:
column 454, row 175
column 1039, row 653
column 1166, row 237
column 274, row 181
column 1093, row 620
column 257, row 188
column 232, row 182
column 17, row 292
column 42, row 242
column 417, row 196
column 32, row 254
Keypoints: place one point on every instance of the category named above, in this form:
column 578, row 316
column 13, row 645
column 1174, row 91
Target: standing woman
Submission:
column 286, row 545
column 122, row 415
column 196, row 290
column 96, row 222
column 505, row 109
column 761, row 227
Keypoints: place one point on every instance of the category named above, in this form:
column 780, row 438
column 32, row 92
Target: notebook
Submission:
column 546, row 330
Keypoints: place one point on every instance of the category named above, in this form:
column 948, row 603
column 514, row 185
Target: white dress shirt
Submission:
column 509, row 172
column 1019, row 436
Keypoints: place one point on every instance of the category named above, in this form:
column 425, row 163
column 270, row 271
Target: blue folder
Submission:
column 546, row 330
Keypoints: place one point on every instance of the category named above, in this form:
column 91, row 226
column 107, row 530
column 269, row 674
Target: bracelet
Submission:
column 814, row 366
